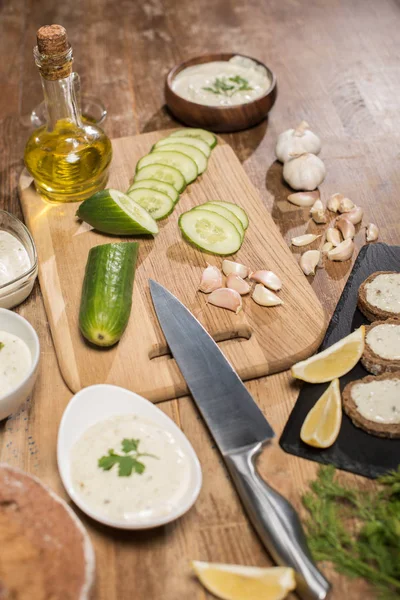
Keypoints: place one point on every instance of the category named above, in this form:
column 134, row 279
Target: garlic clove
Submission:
column 267, row 278
column 303, row 198
column 304, row 240
column 304, row 172
column 226, row 298
column 345, row 205
column 333, row 202
column 229, row 266
column 371, row 232
column 211, row 279
column 342, row 252
column 235, row 282
column 333, row 236
column 309, row 261
column 265, row 297
column 326, row 247
column 318, row 213
column 345, row 227
column 355, row 215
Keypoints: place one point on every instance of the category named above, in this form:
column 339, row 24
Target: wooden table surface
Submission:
column 337, row 67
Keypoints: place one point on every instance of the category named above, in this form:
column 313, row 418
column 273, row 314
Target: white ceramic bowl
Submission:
column 97, row 403
column 17, row 325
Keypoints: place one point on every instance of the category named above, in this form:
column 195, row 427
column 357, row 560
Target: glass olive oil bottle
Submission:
column 68, row 158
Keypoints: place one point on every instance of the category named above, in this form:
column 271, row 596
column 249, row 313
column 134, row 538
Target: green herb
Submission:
column 357, row 531
column 228, row 86
column 129, row 462
column 1, row 345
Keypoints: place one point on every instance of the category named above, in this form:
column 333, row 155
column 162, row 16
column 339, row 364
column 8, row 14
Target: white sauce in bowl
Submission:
column 140, row 497
column 14, row 259
column 15, row 362
column 246, row 79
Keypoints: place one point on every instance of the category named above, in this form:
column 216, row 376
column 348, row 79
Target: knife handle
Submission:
column 276, row 522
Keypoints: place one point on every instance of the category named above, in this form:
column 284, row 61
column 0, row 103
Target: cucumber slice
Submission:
column 157, row 204
column 210, row 231
column 162, row 173
column 197, row 155
column 225, row 213
column 237, row 210
column 182, row 162
column 107, row 292
column 195, row 142
column 159, row 186
column 202, row 134
column 113, row 212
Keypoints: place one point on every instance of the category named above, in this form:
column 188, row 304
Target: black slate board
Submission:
column 354, row 450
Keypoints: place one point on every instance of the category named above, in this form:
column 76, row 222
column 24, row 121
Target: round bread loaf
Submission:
column 373, row 361
column 371, row 311
column 45, row 552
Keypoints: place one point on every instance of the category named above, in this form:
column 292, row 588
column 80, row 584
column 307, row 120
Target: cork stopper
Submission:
column 52, row 39
column 53, row 53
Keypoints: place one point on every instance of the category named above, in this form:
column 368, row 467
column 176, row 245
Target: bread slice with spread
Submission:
column 379, row 296
column 373, row 404
column 382, row 347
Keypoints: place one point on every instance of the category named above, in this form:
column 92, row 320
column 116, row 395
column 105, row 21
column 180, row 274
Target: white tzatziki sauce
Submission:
column 15, row 361
column 378, row 401
column 384, row 292
column 14, row 259
column 222, row 83
column 139, row 496
column 384, row 340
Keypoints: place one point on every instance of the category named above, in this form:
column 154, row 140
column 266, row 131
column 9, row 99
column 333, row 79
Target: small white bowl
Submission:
column 97, row 403
column 17, row 325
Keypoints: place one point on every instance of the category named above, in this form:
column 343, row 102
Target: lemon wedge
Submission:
column 322, row 424
column 236, row 582
column 335, row 361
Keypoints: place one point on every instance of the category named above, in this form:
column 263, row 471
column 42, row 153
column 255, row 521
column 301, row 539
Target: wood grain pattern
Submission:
column 337, row 66
column 262, row 340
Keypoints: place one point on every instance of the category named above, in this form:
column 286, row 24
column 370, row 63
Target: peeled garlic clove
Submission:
column 346, row 228
column 345, row 205
column 211, row 279
column 304, row 240
column 305, row 172
column 228, row 267
column 265, row 297
column 333, row 202
column 297, row 141
column 226, row 298
column 355, row 215
column 303, row 198
column 371, row 232
column 326, row 247
column 318, row 213
column 309, row 261
column 333, row 236
column 267, row 278
column 342, row 252
column 235, row 282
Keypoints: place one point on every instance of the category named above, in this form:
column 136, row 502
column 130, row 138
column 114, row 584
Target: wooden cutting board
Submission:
column 258, row 341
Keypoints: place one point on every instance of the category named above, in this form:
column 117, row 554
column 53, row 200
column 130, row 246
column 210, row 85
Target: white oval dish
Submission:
column 17, row 325
column 97, row 403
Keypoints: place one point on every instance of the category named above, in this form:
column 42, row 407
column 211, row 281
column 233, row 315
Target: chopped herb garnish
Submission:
column 129, row 462
column 1, row 345
column 228, row 86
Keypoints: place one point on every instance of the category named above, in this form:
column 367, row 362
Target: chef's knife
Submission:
column 240, row 431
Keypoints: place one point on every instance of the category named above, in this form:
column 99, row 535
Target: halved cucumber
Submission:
column 189, row 141
column 157, row 204
column 113, row 212
column 202, row 134
column 210, row 231
column 225, row 213
column 159, row 186
column 197, row 155
column 162, row 173
column 182, row 162
column 237, row 210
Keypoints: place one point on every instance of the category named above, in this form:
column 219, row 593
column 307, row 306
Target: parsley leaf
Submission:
column 128, row 463
column 130, row 445
column 107, row 462
column 228, row 86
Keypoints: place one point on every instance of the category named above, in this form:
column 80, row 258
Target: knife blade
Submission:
column 240, row 431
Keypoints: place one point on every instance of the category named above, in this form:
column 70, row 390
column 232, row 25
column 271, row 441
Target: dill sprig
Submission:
column 357, row 531
column 228, row 86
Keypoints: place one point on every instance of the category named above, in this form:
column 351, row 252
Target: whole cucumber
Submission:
column 107, row 292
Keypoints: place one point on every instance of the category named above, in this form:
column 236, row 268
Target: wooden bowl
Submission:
column 219, row 118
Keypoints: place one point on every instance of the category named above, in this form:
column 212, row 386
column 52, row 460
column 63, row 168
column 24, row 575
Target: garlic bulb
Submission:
column 342, row 252
column 226, row 298
column 345, row 227
column 265, row 297
column 355, row 215
column 303, row 198
column 211, row 279
column 297, row 141
column 305, row 172
column 234, row 282
column 267, row 278
column 304, row 240
column 228, row 267
column 318, row 213
column 371, row 232
column 309, row 261
column 333, row 236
